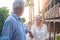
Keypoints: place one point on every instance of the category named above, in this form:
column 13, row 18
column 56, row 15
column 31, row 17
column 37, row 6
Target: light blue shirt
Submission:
column 14, row 29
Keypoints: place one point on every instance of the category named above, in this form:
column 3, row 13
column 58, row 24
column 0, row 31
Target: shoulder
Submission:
column 44, row 25
column 10, row 19
column 33, row 25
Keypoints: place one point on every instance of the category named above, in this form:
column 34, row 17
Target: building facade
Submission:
column 51, row 15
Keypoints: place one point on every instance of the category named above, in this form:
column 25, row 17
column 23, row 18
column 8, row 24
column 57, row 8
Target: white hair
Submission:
column 18, row 4
column 39, row 16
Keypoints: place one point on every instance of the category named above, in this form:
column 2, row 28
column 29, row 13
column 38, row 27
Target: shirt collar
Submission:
column 17, row 17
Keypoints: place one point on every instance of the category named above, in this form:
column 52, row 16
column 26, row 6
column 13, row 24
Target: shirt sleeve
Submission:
column 7, row 31
column 46, row 31
column 32, row 28
column 26, row 29
column 33, row 31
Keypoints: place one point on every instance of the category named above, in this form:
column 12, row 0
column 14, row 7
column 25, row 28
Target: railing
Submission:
column 54, row 12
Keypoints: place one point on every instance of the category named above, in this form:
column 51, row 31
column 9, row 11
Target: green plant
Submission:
column 23, row 20
column 27, row 2
column 58, row 37
column 3, row 15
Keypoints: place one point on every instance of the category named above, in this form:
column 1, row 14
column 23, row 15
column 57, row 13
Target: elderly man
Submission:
column 13, row 28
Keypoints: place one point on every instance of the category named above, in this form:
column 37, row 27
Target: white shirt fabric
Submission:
column 39, row 34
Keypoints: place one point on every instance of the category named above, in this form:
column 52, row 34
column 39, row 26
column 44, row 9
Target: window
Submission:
column 45, row 9
column 48, row 7
column 52, row 3
column 57, row 1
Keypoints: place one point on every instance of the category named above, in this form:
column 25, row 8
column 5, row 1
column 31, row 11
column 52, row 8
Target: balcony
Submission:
column 53, row 13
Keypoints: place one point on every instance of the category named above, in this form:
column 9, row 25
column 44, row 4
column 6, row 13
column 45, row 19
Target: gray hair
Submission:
column 39, row 16
column 18, row 4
